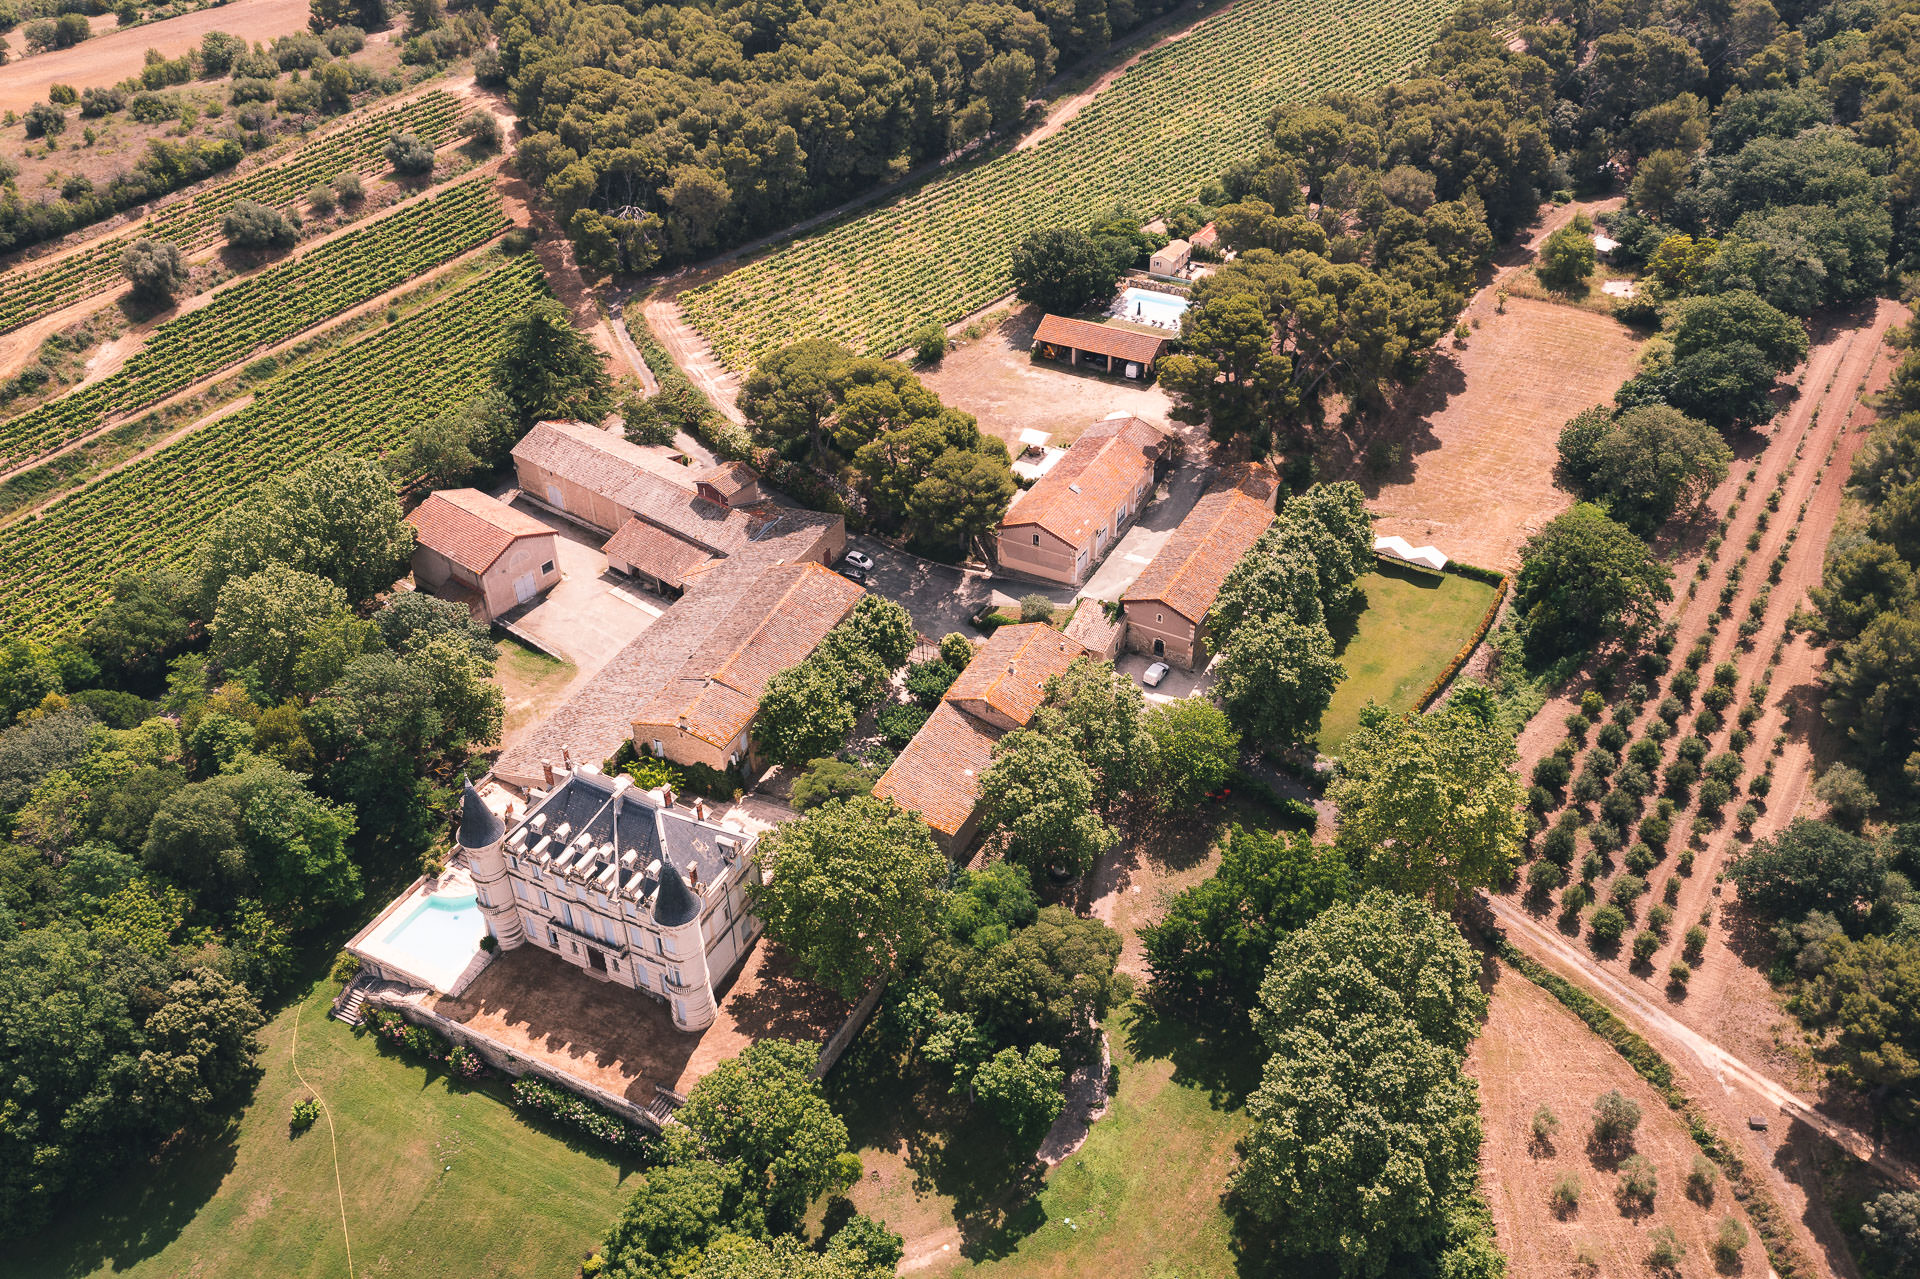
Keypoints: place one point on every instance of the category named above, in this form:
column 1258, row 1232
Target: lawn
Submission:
column 1142, row 1197
column 1411, row 628
column 531, row 684
column 437, row 1181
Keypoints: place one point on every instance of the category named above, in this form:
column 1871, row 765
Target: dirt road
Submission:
column 112, row 57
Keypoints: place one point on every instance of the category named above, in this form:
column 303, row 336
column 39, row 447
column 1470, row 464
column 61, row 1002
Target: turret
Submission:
column 676, row 913
column 483, row 838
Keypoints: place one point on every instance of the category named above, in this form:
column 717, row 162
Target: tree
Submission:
column 791, row 394
column 983, row 907
column 764, row 1111
column 1062, row 269
column 1844, row 790
column 155, row 269
column 255, row 833
column 1211, row 949
column 1332, row 524
column 963, row 497
column 1868, row 997
column 1728, row 348
column 339, row 519
column 1277, row 576
column 140, row 627
column 1873, row 692
column 1049, row 982
column 1658, row 182
column 1858, row 585
column 1891, row 1230
column 199, row 1051
column 412, row 619
column 409, row 156
column 449, row 450
column 1581, row 576
column 1566, row 260
column 547, row 370
column 265, row 622
column 678, row 1211
column 1195, row 750
column 1037, row 799
column 1101, row 715
column 878, row 628
column 44, row 119
column 1429, row 805
column 1809, row 866
column 1276, row 678
column 851, row 890
column 804, row 713
column 1023, row 1091
column 1615, row 1118
column 1645, row 464
column 251, row 225
column 1383, row 957
column 828, row 779
column 1357, row 1141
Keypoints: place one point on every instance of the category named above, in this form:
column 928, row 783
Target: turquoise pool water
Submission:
column 437, row 938
column 1147, row 306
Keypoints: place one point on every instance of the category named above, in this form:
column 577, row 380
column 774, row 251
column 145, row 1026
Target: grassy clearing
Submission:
column 1412, row 626
column 438, row 1181
column 1142, row 1196
column 531, row 682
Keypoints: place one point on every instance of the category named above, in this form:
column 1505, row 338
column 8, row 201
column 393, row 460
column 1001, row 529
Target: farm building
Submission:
column 1105, row 348
column 479, row 550
column 703, row 713
column 938, row 774
column 1172, row 260
column 1059, row 529
column 1166, row 607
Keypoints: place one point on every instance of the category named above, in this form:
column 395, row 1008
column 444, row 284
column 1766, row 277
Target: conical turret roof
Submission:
column 674, row 904
column 480, row 826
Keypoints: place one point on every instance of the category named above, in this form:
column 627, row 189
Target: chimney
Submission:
column 666, row 793
column 566, row 757
column 700, row 810
column 693, row 876
column 546, row 767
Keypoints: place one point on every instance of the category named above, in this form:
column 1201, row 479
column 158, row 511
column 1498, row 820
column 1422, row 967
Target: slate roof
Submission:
column 675, row 903
column 480, row 826
column 470, row 528
column 938, row 774
column 1193, row 563
column 1101, row 339
column 1085, row 487
column 656, row 552
column 717, row 689
column 1011, row 670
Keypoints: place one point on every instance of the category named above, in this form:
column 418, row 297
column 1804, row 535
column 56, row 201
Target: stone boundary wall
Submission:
column 843, row 1035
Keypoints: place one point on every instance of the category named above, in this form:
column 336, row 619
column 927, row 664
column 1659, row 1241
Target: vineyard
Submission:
column 264, row 309
column 360, row 400
column 27, row 292
column 1174, row 120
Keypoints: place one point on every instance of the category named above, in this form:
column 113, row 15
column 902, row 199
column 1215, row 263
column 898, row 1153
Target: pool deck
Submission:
column 449, row 974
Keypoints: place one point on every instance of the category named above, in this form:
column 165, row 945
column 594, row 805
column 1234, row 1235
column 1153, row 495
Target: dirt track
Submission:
column 112, row 57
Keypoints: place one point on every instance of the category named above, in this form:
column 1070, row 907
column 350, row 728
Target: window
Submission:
column 640, row 978
column 545, row 902
column 513, row 862
column 613, row 965
column 566, row 914
column 547, row 567
column 553, row 939
column 1159, row 617
column 658, row 749
column 746, row 931
column 480, row 895
column 575, row 945
column 669, row 947
column 519, row 889
column 1036, row 539
column 659, row 946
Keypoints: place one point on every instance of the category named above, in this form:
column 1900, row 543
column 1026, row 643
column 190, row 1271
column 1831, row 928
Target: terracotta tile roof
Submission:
column 938, row 774
column 1255, row 479
column 470, row 528
column 1084, row 488
column 1102, row 339
column 656, row 552
column 1207, row 236
column 1011, row 670
column 1090, row 628
column 730, row 478
column 773, row 626
column 1192, row 564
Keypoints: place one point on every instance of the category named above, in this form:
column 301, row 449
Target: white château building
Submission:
column 620, row 882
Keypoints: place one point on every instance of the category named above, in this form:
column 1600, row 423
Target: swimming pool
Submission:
column 438, row 937
column 1146, row 306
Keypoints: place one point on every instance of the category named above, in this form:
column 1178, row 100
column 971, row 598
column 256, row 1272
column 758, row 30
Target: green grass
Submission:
column 438, row 1181
column 1142, row 1195
column 1411, row 628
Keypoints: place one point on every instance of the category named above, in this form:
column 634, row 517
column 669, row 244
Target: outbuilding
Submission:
column 1104, row 348
column 475, row 548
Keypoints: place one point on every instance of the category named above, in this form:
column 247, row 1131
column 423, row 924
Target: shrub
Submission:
column 348, row 188
column 346, row 966
column 44, row 120
column 1621, row 806
column 1744, row 817
column 1611, row 737
column 930, row 343
column 1591, row 704
column 1590, row 787
column 1565, row 1195
column 1640, row 859
column 1541, row 801
column 1660, row 917
column 1655, row 831
column 1592, row 865
column 409, row 156
column 1714, row 795
column 1626, row 890
column 1036, row 608
column 1645, row 942
column 1607, row 926
column 1670, row 709
column 1542, row 1129
column 1577, row 726
column 1707, row 721
column 1701, row 1180
column 1616, row 1117
column 1665, row 1251
column 1639, row 1183
column 480, row 128
column 1659, row 730
column 1694, row 943
column 306, row 1113
column 1729, row 1241
column 564, row 1107
column 1679, row 973
column 1552, row 773
column 1575, row 898
column 252, row 225
column 156, row 269
column 899, row 721
column 1544, row 876
column 464, row 1063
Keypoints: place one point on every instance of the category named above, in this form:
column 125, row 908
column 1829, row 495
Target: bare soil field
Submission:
column 1532, row 1053
column 112, row 57
column 995, row 378
column 1474, row 475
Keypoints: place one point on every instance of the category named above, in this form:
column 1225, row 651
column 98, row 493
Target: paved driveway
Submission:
column 937, row 596
column 593, row 613
column 1138, row 545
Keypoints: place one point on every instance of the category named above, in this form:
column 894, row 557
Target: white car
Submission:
column 860, row 560
column 1155, row 673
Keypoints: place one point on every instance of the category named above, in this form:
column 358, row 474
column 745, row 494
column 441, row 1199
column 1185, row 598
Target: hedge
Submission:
column 395, row 1031
column 563, row 1107
column 1500, row 583
column 1776, row 1236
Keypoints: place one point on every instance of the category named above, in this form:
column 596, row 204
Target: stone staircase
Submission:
column 352, row 1000
column 665, row 1102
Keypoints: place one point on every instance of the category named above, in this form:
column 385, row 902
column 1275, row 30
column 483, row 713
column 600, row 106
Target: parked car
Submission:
column 854, row 573
column 1155, row 673
column 860, row 560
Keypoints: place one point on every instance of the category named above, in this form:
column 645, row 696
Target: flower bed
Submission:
column 565, row 1108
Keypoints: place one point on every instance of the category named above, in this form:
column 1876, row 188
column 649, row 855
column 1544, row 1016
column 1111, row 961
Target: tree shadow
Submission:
column 149, row 1205
column 1224, row 1063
